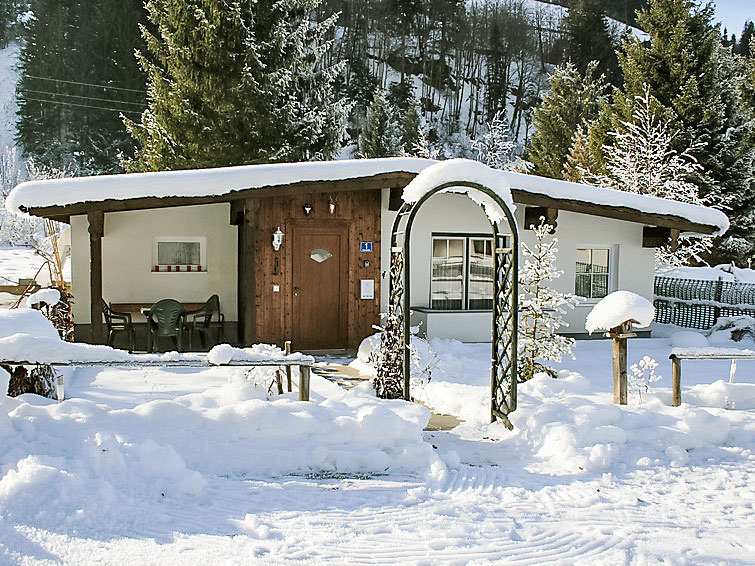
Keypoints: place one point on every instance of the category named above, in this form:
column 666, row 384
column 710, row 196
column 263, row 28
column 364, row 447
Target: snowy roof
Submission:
column 76, row 195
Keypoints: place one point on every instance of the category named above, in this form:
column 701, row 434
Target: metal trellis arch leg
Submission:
column 395, row 368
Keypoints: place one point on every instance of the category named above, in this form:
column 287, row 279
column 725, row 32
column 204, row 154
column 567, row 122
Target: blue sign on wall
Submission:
column 365, row 247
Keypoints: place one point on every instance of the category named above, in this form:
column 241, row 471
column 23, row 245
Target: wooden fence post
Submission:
column 676, row 381
column 304, row 383
column 287, row 346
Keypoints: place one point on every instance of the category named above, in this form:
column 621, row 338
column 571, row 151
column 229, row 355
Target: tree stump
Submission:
column 40, row 381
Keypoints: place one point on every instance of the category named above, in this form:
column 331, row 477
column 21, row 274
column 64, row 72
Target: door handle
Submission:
column 296, row 291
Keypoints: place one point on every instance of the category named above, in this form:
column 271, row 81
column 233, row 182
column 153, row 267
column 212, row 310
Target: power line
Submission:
column 85, row 84
column 81, row 105
column 140, row 104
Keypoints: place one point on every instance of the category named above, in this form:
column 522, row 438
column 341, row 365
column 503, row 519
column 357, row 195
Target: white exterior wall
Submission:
column 127, row 249
column 632, row 266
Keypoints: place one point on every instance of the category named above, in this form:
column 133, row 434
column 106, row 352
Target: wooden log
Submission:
column 620, row 371
column 304, row 383
column 287, row 346
column 676, row 381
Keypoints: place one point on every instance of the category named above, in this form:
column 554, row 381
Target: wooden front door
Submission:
column 319, row 284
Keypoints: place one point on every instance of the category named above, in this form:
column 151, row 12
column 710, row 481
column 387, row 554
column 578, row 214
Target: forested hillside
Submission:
column 463, row 60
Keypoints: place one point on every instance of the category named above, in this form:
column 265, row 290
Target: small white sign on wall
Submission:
column 368, row 288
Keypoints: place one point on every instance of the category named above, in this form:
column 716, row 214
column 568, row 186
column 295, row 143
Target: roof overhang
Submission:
column 265, row 181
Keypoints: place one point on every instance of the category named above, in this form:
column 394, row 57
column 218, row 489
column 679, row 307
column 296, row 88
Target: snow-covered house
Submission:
column 300, row 251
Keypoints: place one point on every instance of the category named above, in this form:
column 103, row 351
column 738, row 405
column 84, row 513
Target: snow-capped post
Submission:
column 616, row 313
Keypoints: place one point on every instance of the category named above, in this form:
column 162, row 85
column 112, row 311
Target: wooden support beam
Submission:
column 96, row 231
column 532, row 215
column 655, row 236
column 246, row 273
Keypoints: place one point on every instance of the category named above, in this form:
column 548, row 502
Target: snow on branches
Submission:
column 541, row 306
column 641, row 160
column 496, row 148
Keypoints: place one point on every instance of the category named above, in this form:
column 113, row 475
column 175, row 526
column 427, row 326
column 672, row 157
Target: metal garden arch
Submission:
column 505, row 300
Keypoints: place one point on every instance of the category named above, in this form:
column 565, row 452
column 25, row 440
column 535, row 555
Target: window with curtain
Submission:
column 179, row 255
column 462, row 273
column 592, row 272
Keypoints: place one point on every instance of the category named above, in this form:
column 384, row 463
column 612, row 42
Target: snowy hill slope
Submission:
column 9, row 73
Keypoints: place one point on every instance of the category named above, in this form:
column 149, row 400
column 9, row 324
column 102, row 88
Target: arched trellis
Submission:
column 397, row 356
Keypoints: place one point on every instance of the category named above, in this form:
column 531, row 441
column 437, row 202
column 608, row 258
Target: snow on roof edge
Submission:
column 224, row 180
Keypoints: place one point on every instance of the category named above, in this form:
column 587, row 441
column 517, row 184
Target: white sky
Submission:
column 733, row 13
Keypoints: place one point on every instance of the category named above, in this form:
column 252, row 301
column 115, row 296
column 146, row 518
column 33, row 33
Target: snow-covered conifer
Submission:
column 641, row 159
column 411, row 127
column 495, row 148
column 233, row 82
column 380, row 134
column 541, row 306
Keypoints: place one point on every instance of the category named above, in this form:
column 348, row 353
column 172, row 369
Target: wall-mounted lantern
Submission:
column 307, row 209
column 278, row 239
column 331, row 205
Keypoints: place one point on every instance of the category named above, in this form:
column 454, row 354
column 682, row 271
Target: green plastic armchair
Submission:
column 118, row 322
column 165, row 319
column 205, row 320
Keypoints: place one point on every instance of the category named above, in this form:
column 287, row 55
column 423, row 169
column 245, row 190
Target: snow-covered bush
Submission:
column 496, row 147
column 541, row 306
column 643, row 374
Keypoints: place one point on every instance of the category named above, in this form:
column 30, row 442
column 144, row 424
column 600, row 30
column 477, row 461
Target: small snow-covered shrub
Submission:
column 643, row 374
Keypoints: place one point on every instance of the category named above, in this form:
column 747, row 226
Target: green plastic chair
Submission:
column 118, row 322
column 165, row 319
column 201, row 321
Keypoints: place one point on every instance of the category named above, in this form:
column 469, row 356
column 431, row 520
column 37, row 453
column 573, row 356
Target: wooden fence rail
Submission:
column 694, row 303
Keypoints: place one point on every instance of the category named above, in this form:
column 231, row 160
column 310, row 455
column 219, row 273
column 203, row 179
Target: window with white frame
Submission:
column 592, row 273
column 182, row 254
column 462, row 272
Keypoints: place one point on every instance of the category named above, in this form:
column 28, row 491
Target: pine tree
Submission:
column 233, row 82
column 582, row 164
column 573, row 99
column 541, row 306
column 695, row 78
column 590, row 39
column 496, row 148
column 642, row 160
column 411, row 127
column 79, row 75
column 379, row 136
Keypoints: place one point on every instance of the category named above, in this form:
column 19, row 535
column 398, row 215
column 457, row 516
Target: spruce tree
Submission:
column 590, row 39
column 411, row 127
column 379, row 136
column 232, row 82
column 496, row 148
column 79, row 75
column 572, row 100
column 541, row 306
column 692, row 75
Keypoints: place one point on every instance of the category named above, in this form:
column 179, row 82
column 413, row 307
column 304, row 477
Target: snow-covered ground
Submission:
column 193, row 466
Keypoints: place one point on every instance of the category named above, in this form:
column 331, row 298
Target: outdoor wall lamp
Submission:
column 331, row 205
column 278, row 239
column 307, row 209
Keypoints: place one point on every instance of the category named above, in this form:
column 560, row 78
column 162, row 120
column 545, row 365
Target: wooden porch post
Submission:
column 96, row 230
column 242, row 214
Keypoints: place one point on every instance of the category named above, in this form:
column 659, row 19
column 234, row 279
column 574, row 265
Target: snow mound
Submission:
column 25, row 321
column 85, row 464
column 225, row 353
column 618, row 307
column 464, row 170
column 49, row 297
column 688, row 339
